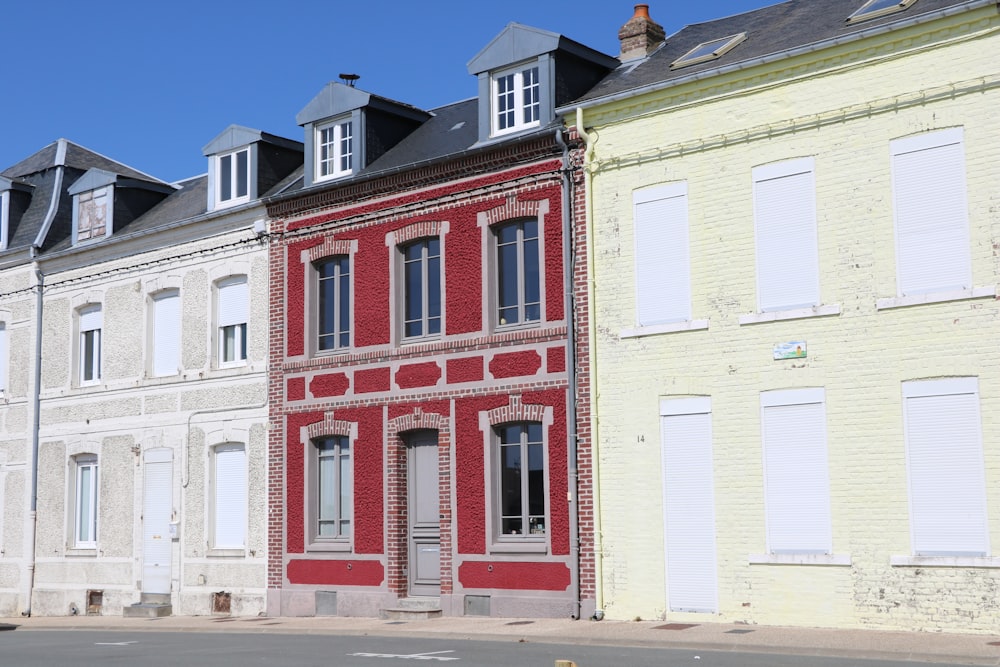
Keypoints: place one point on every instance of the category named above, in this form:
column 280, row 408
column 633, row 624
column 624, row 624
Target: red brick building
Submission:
column 424, row 403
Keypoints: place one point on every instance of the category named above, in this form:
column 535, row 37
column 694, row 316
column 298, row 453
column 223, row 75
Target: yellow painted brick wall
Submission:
column 712, row 138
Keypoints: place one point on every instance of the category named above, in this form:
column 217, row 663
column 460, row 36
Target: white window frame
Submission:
column 537, row 534
column 522, row 308
column 524, row 80
column 344, row 467
column 930, row 211
column 232, row 310
column 4, row 219
column 340, row 138
column 947, row 502
column 90, row 324
column 166, row 332
column 234, row 197
column 340, row 328
column 85, row 497
column 786, row 243
column 82, row 211
column 796, row 471
column 230, row 497
column 662, row 260
column 4, row 358
column 426, row 272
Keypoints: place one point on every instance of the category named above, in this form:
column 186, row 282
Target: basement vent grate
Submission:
column 519, row 623
column 738, row 632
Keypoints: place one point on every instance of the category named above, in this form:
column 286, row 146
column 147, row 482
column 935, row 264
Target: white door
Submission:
column 424, row 514
column 689, row 504
column 156, row 503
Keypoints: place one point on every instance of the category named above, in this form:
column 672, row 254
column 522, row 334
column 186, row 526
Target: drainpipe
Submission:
column 592, row 356
column 36, row 401
column 570, row 313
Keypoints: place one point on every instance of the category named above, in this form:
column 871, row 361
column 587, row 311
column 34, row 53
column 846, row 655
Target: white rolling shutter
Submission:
column 945, row 460
column 166, row 332
column 230, row 497
column 932, row 222
column 90, row 318
column 796, row 475
column 689, row 504
column 662, row 257
column 233, row 298
column 4, row 355
column 785, row 224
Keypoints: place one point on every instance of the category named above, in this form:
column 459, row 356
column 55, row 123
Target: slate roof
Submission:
column 770, row 31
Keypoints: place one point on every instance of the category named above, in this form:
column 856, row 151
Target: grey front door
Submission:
column 424, row 514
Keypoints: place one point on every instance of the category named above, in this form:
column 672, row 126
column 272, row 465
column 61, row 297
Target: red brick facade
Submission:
column 459, row 386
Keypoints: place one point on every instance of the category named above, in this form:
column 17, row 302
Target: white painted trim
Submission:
column 670, row 327
column 936, row 297
column 794, row 314
column 800, row 559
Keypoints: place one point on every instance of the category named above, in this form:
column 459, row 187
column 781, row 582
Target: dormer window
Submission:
column 93, row 214
column 232, row 178
column 334, row 149
column 4, row 220
column 516, row 99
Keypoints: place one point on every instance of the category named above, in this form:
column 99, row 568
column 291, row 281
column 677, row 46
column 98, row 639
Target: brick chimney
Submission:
column 640, row 36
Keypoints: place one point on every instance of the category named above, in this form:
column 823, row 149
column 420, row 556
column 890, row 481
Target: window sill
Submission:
column 672, row 327
column 226, row 553
column 795, row 314
column 332, row 547
column 525, row 547
column 936, row 297
column 800, row 559
column 944, row 561
column 84, row 552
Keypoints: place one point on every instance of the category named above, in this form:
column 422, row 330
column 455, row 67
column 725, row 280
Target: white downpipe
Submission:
column 588, row 157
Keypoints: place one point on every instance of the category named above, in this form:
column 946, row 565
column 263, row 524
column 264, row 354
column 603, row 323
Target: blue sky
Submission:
column 150, row 83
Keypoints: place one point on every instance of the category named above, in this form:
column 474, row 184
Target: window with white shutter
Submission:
column 4, row 355
column 166, row 332
column 233, row 305
column 230, row 497
column 90, row 321
column 944, row 453
column 785, row 224
column 796, row 474
column 931, row 211
column 662, row 258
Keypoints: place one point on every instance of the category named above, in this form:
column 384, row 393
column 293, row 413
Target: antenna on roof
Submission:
column 350, row 79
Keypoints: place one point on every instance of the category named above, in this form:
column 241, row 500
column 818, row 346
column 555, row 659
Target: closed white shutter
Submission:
column 689, row 504
column 4, row 355
column 166, row 332
column 662, row 257
column 230, row 496
column 945, row 460
column 785, row 223
column 932, row 225
column 796, row 476
column 233, row 297
column 90, row 318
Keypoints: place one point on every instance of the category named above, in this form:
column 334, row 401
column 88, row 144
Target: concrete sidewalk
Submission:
column 959, row 649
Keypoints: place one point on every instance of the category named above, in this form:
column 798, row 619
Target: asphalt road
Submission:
column 156, row 649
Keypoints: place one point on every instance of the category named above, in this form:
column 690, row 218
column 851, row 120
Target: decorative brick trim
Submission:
column 515, row 411
column 513, row 209
column 329, row 426
column 417, row 421
column 417, row 230
column 329, row 248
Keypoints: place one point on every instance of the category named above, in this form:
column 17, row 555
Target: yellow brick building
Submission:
column 794, row 217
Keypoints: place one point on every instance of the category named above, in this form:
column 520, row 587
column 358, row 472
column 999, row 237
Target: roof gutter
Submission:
column 783, row 55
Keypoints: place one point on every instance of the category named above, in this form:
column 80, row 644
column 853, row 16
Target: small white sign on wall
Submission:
column 795, row 349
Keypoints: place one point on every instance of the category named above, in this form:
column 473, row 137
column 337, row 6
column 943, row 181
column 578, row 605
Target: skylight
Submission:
column 710, row 50
column 875, row 8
